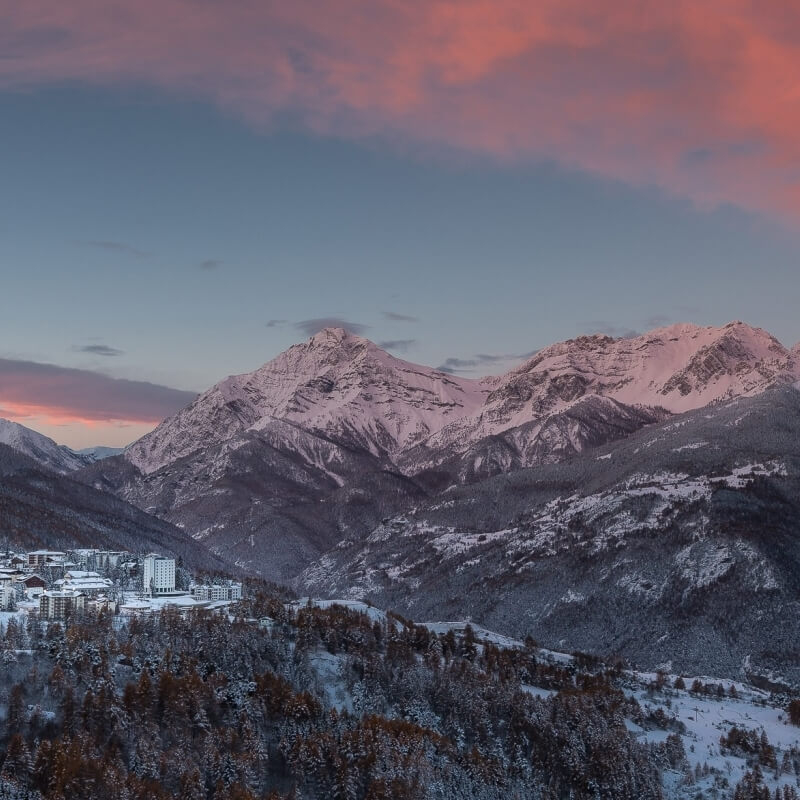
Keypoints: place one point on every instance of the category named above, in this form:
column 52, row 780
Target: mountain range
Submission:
column 345, row 470
column 274, row 467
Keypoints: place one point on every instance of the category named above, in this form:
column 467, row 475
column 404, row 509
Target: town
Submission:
column 58, row 585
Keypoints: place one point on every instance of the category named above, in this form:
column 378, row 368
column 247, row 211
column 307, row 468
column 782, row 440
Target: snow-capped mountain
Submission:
column 346, row 389
column 40, row 448
column 677, row 368
column 270, row 468
column 275, row 466
column 100, row 452
column 337, row 385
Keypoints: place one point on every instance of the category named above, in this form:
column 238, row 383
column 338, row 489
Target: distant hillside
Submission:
column 41, row 449
column 41, row 509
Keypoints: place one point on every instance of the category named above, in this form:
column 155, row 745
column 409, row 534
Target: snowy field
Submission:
column 699, row 719
column 375, row 614
column 705, row 720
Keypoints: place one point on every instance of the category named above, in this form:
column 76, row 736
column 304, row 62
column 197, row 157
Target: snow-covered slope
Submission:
column 590, row 421
column 677, row 368
column 682, row 539
column 336, row 384
column 40, row 448
column 680, row 367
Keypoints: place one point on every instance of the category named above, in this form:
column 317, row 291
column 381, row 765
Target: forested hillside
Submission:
column 42, row 509
column 315, row 703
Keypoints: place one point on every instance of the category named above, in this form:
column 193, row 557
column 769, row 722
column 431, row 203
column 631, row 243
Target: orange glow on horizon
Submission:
column 72, row 430
column 44, row 415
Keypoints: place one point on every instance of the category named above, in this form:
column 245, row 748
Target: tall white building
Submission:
column 7, row 595
column 159, row 574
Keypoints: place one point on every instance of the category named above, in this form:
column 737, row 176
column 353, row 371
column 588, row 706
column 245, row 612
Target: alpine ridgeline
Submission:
column 273, row 468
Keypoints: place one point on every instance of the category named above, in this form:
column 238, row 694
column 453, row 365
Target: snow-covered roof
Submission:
column 26, row 578
column 88, row 584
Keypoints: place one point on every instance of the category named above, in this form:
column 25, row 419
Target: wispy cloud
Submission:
column 454, row 365
column 312, row 326
column 656, row 321
column 398, row 344
column 277, row 323
column 210, row 264
column 693, row 98
column 395, row 317
column 29, row 388
column 98, row 350
column 115, row 247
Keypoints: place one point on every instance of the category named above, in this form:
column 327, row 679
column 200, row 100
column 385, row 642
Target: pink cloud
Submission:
column 60, row 395
column 701, row 99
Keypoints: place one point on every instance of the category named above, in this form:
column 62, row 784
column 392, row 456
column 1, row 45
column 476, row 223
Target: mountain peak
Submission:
column 677, row 367
column 40, row 448
column 333, row 337
column 335, row 384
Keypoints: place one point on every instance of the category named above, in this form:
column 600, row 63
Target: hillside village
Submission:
column 63, row 584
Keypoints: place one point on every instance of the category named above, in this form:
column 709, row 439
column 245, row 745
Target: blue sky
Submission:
column 152, row 238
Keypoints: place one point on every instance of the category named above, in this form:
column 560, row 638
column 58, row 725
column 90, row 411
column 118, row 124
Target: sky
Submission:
column 189, row 187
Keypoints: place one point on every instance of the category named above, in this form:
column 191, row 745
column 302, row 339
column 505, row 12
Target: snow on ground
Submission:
column 5, row 616
column 739, row 476
column 328, row 668
column 481, row 634
column 692, row 446
column 537, row 691
column 706, row 719
column 375, row 614
column 455, row 543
